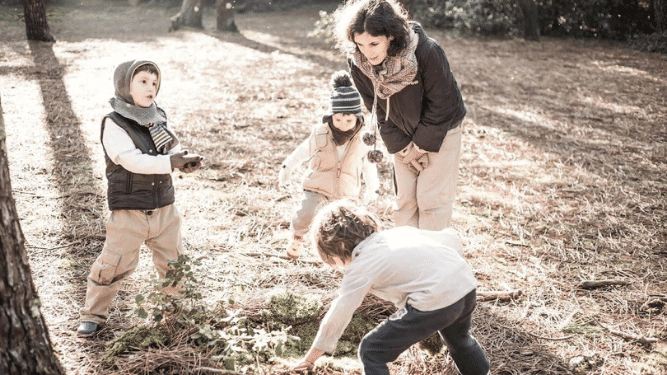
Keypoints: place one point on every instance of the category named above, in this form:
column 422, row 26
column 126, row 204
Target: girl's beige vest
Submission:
column 327, row 175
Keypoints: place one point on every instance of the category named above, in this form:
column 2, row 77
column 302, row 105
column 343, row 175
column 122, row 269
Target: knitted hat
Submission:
column 123, row 75
column 344, row 98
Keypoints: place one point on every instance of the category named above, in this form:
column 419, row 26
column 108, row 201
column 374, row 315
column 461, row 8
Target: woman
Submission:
column 405, row 81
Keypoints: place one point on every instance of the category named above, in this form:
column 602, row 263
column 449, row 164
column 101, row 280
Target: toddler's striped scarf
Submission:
column 160, row 136
column 152, row 117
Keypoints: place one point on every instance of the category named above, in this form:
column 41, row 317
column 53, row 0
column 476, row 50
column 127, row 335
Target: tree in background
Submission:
column 25, row 347
column 36, row 26
column 531, row 24
column 190, row 15
column 225, row 16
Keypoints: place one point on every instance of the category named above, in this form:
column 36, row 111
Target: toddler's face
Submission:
column 143, row 88
column 344, row 121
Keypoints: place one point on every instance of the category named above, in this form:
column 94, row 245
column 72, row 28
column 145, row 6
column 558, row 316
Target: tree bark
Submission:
column 531, row 25
column 190, row 15
column 225, row 16
column 25, row 347
column 660, row 10
column 36, row 26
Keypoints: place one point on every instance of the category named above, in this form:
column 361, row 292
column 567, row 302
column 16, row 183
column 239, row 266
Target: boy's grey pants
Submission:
column 409, row 326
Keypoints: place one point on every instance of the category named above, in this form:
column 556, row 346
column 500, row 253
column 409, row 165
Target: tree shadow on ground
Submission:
column 81, row 200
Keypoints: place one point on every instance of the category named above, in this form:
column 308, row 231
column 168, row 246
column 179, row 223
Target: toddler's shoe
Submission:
column 294, row 247
column 87, row 329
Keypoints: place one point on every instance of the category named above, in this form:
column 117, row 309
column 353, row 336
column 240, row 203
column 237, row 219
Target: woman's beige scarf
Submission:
column 394, row 73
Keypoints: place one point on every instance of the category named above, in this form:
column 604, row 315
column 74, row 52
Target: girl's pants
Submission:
column 127, row 230
column 305, row 214
column 426, row 200
column 408, row 326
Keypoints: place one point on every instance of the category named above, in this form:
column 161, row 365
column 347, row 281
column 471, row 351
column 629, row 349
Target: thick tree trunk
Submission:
column 36, row 26
column 25, row 347
column 190, row 15
column 660, row 10
column 531, row 25
column 225, row 16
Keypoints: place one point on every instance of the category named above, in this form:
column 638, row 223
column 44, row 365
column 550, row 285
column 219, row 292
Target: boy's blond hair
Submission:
column 339, row 227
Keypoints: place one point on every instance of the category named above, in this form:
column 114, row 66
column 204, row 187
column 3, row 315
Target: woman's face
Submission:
column 373, row 47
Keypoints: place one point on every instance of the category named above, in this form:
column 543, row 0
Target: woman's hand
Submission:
column 413, row 157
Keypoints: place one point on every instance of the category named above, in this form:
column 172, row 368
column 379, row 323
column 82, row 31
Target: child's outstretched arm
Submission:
column 297, row 157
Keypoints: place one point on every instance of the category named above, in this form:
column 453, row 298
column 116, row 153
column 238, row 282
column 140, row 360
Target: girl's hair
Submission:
column 339, row 227
column 376, row 17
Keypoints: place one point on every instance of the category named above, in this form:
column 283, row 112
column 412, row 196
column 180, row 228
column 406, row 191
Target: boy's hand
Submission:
column 186, row 162
column 304, row 365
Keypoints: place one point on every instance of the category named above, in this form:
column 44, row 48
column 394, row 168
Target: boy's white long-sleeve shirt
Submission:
column 403, row 265
column 302, row 153
column 121, row 150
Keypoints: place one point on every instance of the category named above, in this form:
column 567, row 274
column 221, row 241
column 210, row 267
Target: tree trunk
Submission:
column 190, row 15
column 25, row 347
column 409, row 5
column 36, row 27
column 531, row 25
column 225, row 16
column 660, row 10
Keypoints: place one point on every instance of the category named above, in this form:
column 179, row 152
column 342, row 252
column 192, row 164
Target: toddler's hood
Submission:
column 122, row 78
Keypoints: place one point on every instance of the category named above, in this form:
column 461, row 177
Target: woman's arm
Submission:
column 442, row 105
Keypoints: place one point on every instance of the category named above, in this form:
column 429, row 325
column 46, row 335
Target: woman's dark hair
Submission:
column 376, row 17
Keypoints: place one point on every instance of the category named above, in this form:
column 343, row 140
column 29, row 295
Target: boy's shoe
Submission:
column 294, row 247
column 87, row 329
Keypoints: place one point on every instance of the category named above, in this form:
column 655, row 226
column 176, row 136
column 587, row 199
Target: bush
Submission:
column 481, row 17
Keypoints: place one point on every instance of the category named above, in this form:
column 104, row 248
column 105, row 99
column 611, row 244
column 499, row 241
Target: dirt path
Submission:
column 563, row 174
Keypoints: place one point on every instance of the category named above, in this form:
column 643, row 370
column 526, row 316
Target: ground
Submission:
column 563, row 177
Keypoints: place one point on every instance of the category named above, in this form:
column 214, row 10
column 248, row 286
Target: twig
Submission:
column 538, row 336
column 502, row 296
column 594, row 284
column 262, row 255
column 647, row 341
column 54, row 247
column 214, row 370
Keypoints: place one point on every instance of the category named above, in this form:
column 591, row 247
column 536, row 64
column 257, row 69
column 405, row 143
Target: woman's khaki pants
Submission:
column 426, row 200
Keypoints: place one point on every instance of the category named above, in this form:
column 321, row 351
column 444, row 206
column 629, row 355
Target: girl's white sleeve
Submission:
column 121, row 150
column 298, row 156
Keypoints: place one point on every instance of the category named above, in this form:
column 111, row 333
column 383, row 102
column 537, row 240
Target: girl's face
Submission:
column 143, row 88
column 373, row 47
column 344, row 121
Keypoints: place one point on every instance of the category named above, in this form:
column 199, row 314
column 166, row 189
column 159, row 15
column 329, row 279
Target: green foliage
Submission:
column 609, row 19
column 227, row 337
column 324, row 27
column 433, row 344
column 136, row 339
column 290, row 308
column 480, row 17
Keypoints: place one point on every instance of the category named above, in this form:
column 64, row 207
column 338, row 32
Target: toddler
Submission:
column 337, row 160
